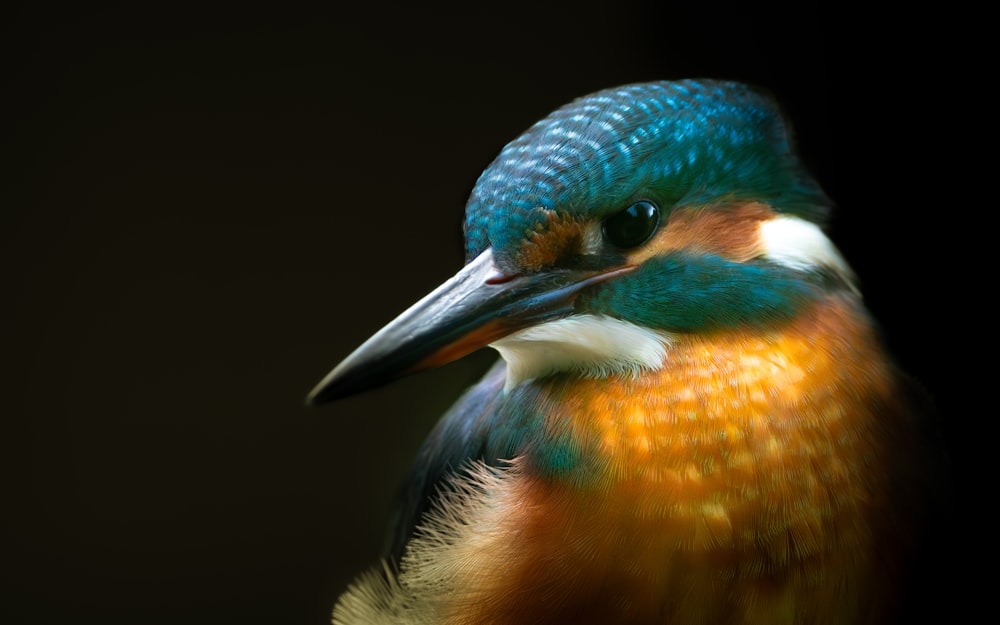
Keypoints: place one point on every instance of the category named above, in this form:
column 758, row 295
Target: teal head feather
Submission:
column 676, row 143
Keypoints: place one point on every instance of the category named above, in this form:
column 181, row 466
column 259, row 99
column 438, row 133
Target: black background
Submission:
column 206, row 207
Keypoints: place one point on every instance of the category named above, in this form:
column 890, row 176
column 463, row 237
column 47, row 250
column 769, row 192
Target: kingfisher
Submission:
column 694, row 418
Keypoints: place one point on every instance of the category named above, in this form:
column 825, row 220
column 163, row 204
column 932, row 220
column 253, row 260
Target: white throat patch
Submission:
column 593, row 345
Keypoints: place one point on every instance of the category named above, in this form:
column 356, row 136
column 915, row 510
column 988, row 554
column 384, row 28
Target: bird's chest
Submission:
column 731, row 433
column 746, row 469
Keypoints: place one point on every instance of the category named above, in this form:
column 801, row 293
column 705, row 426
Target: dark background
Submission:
column 204, row 208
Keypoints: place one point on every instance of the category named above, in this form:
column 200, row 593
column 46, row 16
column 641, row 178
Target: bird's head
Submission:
column 623, row 219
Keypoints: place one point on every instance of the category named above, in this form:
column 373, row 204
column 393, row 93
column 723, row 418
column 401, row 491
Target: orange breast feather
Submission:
column 756, row 478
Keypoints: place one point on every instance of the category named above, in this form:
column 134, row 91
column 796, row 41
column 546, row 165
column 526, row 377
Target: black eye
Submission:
column 633, row 226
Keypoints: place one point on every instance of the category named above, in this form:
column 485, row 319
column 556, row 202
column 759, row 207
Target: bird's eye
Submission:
column 633, row 226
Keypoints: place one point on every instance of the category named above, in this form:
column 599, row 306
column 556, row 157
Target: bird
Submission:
column 694, row 417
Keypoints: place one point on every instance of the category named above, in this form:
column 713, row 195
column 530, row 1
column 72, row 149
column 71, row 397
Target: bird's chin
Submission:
column 591, row 345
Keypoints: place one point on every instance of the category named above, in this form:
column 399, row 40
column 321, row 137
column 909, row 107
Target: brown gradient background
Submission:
column 206, row 207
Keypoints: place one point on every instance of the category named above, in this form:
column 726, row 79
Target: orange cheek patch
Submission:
column 729, row 232
column 558, row 236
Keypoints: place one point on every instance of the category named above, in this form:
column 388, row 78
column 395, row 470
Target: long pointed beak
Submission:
column 475, row 307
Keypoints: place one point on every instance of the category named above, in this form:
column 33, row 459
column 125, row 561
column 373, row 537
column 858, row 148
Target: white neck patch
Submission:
column 593, row 345
column 801, row 244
